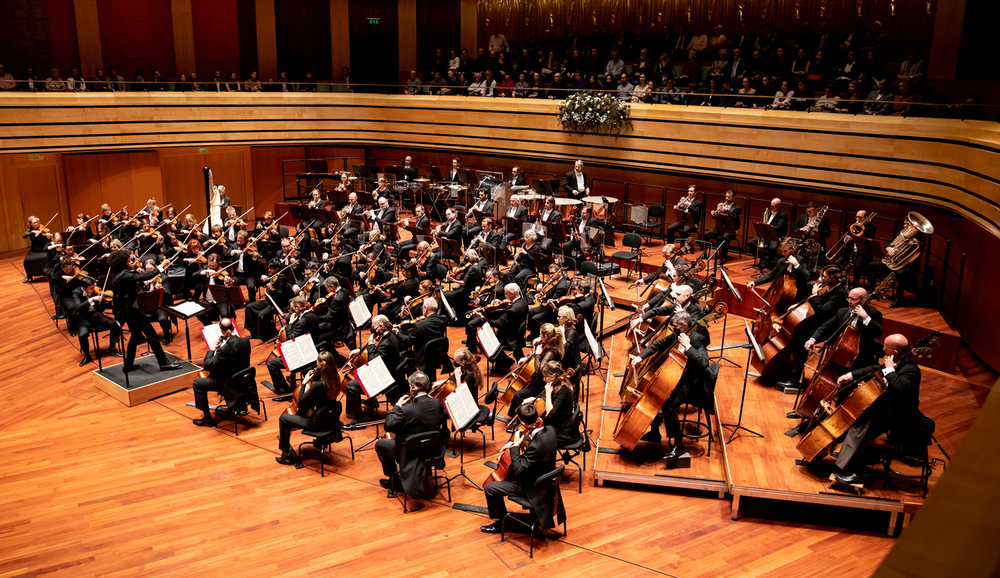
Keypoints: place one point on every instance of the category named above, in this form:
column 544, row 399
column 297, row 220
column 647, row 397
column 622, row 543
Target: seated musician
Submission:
column 383, row 192
column 787, row 262
column 559, row 403
column 575, row 245
column 159, row 315
column 271, row 226
column 245, row 269
column 517, row 178
column 472, row 376
column 851, row 253
column 517, row 211
column 334, row 317
column 319, row 390
column 301, row 320
column 408, row 288
column 214, row 276
column 230, row 356
column 690, row 389
column 216, row 242
column 691, row 205
column 727, row 207
column 486, row 235
column 806, row 223
column 337, row 263
column 84, row 309
column 384, row 213
column 667, row 271
column 375, row 247
column 316, row 200
column 382, row 342
column 259, row 315
column 353, row 207
column 190, row 229
column 371, row 275
column 423, row 330
column 472, row 278
column 776, row 217
column 528, row 463
column 425, row 261
column 548, row 346
column 896, row 412
column 508, row 327
column 147, row 242
column 344, row 183
column 572, row 338
column 311, row 283
column 866, row 318
column 450, row 229
column 233, row 224
column 491, row 290
column 420, row 221
column 409, row 171
column 524, row 266
column 425, row 290
column 483, row 203
column 150, row 213
column 414, row 413
column 546, row 313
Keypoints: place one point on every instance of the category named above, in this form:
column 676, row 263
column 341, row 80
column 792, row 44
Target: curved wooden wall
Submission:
column 950, row 165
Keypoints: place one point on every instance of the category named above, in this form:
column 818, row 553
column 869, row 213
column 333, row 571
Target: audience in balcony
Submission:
column 7, row 81
column 55, row 83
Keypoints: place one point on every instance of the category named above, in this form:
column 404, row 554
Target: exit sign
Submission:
column 203, row 150
column 374, row 20
column 36, row 157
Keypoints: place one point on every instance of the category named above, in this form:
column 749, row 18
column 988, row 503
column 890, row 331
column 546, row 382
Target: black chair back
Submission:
column 437, row 349
column 632, row 240
column 424, row 444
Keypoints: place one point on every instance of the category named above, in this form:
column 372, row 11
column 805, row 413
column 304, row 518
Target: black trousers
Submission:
column 713, row 235
column 531, row 390
column 275, row 368
column 99, row 322
column 676, row 226
column 495, row 494
column 259, row 320
column 354, row 393
column 141, row 331
column 385, row 449
column 201, row 387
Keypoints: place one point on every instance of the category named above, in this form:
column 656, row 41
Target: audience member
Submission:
column 413, row 84
column 54, row 83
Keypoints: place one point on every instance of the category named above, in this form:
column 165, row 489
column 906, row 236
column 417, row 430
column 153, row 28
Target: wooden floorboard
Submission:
column 94, row 488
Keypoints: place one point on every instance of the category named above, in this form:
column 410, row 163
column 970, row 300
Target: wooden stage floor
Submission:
column 93, row 487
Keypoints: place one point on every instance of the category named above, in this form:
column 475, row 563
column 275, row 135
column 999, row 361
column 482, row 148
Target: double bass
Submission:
column 839, row 418
column 652, row 393
column 839, row 357
column 779, row 295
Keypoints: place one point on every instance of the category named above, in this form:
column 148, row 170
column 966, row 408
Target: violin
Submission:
column 408, row 322
column 389, row 285
column 550, row 284
column 496, row 306
column 458, row 272
column 476, row 293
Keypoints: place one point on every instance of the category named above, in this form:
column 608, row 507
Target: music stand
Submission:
column 229, row 296
column 75, row 239
column 739, row 298
column 724, row 224
column 185, row 311
column 752, row 348
column 555, row 233
column 770, row 234
column 450, row 249
column 494, row 255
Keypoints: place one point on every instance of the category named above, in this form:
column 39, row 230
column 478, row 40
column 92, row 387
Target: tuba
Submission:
column 905, row 249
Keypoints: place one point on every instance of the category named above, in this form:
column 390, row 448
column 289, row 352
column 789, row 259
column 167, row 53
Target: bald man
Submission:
column 896, row 412
column 774, row 216
column 866, row 317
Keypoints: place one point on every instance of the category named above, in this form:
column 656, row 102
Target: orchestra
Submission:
column 513, row 278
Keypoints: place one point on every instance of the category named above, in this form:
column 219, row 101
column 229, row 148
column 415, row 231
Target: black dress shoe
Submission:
column 788, row 384
column 675, row 452
column 86, row 359
column 113, row 352
column 287, row 458
column 895, row 304
column 170, row 367
column 652, row 437
column 165, row 340
column 204, row 422
column 851, row 479
column 494, row 528
column 72, row 332
column 354, row 425
column 26, row 280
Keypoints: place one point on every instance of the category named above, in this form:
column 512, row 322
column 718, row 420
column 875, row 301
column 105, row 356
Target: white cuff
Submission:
column 867, row 321
column 682, row 349
column 888, row 370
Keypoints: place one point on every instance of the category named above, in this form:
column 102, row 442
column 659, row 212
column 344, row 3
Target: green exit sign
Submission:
column 36, row 157
column 203, row 150
column 374, row 20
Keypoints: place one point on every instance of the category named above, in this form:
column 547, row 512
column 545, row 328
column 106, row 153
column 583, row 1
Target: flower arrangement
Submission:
column 595, row 113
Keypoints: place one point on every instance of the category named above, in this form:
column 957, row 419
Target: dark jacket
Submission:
column 538, row 459
column 423, row 414
column 225, row 362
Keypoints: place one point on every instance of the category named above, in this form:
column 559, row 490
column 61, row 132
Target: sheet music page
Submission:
column 374, row 377
column 592, row 341
column 298, row 352
column 447, row 307
column 359, row 311
column 488, row 339
column 462, row 407
column 188, row 308
column 212, row 332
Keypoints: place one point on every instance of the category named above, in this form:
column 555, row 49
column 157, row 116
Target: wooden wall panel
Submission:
column 267, row 175
column 83, row 185
column 230, row 167
column 39, row 194
column 11, row 225
column 146, row 180
column 183, row 179
column 116, row 182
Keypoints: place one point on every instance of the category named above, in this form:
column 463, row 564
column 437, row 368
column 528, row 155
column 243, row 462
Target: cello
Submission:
column 839, row 357
column 707, row 288
column 779, row 295
column 776, row 350
column 818, row 439
column 654, row 392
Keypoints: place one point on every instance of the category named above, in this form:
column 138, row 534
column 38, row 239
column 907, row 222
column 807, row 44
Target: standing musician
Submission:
column 455, row 174
column 576, row 183
column 259, row 315
column 471, row 279
column 517, row 178
column 230, row 356
column 517, row 211
column 868, row 320
column 124, row 285
column 301, row 320
column 382, row 342
column 528, row 463
column 334, row 318
column 801, row 273
column 547, row 347
column 691, row 205
column 319, row 391
column 544, row 313
column 727, row 207
column 232, row 225
column 566, row 319
column 418, row 334
column 692, row 386
column 507, row 327
column 414, row 413
column 776, row 217
column 409, row 171
column 524, row 266
column 420, row 221
column 897, row 411
column 85, row 310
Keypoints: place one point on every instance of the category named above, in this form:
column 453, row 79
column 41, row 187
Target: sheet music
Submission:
column 188, row 308
column 595, row 348
column 213, row 331
column 359, row 311
column 374, row 377
column 447, row 307
column 488, row 339
column 462, row 407
column 298, row 352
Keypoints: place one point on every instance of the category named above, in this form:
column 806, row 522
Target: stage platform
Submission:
column 146, row 382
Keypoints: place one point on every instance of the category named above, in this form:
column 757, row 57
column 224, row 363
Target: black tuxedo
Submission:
column 521, row 212
column 780, row 222
column 694, row 384
column 125, row 285
column 423, row 414
column 418, row 336
column 569, row 184
column 868, row 348
column 385, row 216
column 693, row 209
column 454, row 175
column 801, row 274
column 222, row 364
column 459, row 297
column 712, row 235
column 538, row 459
column 335, row 323
column 520, row 181
column 823, row 232
column 78, row 311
